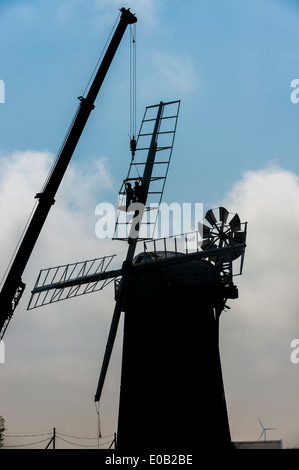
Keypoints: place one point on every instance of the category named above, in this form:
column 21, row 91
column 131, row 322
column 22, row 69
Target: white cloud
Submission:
column 269, row 200
column 53, row 354
column 72, row 216
column 257, row 331
column 49, row 348
column 178, row 72
column 22, row 175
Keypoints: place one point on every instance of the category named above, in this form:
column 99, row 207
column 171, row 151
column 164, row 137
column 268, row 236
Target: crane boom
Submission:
column 13, row 286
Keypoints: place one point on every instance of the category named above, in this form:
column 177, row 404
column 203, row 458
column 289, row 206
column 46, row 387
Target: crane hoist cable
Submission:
column 133, row 89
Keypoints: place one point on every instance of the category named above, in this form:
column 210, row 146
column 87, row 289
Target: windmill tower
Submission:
column 172, row 393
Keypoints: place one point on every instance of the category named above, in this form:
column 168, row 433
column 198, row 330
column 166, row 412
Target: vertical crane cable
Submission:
column 133, row 81
column 133, row 89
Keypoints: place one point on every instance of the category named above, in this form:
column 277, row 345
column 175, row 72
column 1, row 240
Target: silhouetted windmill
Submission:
column 264, row 430
column 172, row 296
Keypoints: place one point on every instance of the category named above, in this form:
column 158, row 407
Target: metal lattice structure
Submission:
column 164, row 141
column 71, row 280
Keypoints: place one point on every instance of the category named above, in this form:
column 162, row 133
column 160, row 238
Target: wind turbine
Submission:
column 264, row 430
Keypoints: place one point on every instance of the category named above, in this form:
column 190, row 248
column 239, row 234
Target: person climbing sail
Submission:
column 137, row 192
column 129, row 195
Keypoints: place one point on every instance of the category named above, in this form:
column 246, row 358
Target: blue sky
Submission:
column 231, row 65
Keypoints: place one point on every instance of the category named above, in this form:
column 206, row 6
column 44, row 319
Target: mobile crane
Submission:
column 13, row 286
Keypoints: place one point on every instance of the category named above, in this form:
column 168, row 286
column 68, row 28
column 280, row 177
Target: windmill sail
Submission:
column 71, row 280
column 164, row 141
